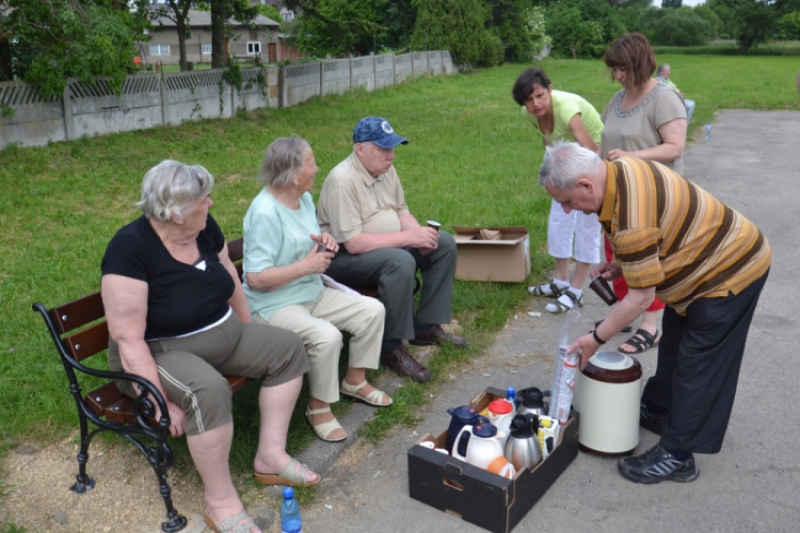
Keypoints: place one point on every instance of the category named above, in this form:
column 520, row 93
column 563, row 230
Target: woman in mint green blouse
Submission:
column 285, row 255
column 562, row 116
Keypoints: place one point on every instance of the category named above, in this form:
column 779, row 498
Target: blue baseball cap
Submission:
column 377, row 130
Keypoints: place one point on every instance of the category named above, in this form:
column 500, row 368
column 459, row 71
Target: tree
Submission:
column 459, row 26
column 754, row 21
column 572, row 35
column 681, row 27
column 51, row 40
column 335, row 27
column 714, row 22
column 178, row 12
column 221, row 12
column 396, row 19
column 507, row 19
column 671, row 4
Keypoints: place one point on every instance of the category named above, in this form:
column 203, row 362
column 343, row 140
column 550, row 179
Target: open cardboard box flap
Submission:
column 511, row 234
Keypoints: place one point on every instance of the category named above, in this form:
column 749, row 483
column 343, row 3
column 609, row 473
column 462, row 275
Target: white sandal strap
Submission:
column 353, row 389
column 312, row 412
column 326, row 428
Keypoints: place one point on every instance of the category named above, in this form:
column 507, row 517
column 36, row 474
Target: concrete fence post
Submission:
column 321, row 78
column 374, row 70
column 412, row 64
column 428, row 63
column 69, row 124
column 162, row 84
column 394, row 69
column 351, row 72
column 281, row 87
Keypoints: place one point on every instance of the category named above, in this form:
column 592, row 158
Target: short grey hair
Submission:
column 661, row 68
column 284, row 159
column 564, row 163
column 169, row 188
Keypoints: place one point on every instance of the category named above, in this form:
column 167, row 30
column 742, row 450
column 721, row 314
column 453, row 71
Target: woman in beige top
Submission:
column 646, row 119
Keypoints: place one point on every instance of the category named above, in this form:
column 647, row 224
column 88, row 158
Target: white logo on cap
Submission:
column 386, row 127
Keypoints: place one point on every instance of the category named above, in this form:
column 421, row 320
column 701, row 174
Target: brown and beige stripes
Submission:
column 669, row 233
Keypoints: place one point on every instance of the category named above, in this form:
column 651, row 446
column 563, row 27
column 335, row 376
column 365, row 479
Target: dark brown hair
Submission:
column 633, row 53
column 524, row 85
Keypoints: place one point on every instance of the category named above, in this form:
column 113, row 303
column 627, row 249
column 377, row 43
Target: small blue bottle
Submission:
column 708, row 130
column 511, row 396
column 290, row 513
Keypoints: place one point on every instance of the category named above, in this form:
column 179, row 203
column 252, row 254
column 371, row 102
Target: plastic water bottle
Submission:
column 708, row 130
column 290, row 513
column 511, row 396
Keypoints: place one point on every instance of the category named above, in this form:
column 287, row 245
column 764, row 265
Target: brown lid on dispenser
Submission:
column 613, row 367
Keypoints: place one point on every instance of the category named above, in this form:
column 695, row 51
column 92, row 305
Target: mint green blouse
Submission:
column 274, row 236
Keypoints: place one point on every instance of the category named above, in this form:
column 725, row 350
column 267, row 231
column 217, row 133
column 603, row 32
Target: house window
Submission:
column 159, row 49
column 207, row 48
column 287, row 15
column 254, row 48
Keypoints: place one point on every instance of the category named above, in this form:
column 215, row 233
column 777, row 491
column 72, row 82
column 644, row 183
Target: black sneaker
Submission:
column 652, row 421
column 657, row 464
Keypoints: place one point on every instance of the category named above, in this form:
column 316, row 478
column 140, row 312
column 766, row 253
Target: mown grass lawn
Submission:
column 471, row 161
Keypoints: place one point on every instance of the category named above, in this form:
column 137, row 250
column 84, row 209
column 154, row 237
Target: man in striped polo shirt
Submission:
column 673, row 240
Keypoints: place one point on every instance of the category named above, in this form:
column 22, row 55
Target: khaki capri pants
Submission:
column 318, row 324
column 192, row 368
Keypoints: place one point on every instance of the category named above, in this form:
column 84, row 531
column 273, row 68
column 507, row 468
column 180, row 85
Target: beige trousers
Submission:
column 318, row 325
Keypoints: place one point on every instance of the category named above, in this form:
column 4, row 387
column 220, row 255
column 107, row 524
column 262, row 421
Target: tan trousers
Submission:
column 318, row 325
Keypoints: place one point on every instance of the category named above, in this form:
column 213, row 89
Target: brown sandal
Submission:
column 641, row 341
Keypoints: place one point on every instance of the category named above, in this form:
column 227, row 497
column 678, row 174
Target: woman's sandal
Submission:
column 624, row 330
column 548, row 290
column 241, row 523
column 642, row 341
column 324, row 429
column 558, row 306
column 373, row 398
column 288, row 476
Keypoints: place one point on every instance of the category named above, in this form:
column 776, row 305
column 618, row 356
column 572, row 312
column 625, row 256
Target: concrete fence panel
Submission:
column 96, row 110
column 32, row 119
column 196, row 95
column 402, row 68
column 447, row 62
column 384, row 70
column 335, row 76
column 435, row 63
column 420, row 62
column 364, row 72
column 257, row 93
column 301, row 82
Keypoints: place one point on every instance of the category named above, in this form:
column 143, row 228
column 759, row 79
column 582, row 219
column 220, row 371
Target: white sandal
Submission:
column 324, row 429
column 559, row 306
column 373, row 398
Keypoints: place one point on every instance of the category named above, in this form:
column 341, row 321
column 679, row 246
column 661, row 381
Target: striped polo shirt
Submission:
column 669, row 233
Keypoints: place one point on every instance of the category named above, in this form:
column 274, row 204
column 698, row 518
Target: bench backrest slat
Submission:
column 88, row 342
column 78, row 312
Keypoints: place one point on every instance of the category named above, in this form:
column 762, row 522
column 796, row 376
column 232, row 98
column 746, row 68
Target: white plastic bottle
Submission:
column 564, row 377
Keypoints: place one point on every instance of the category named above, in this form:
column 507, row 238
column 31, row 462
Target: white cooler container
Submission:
column 607, row 396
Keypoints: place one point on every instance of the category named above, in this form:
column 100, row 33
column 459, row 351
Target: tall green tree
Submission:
column 755, row 21
column 396, row 20
column 460, row 26
column 335, row 27
column 507, row 19
column 681, row 27
column 671, row 4
column 178, row 12
column 51, row 40
column 572, row 35
column 222, row 11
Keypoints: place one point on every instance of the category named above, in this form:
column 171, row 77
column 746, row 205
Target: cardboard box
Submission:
column 507, row 259
column 480, row 497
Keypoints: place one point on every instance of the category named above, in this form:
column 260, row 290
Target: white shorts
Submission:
column 560, row 230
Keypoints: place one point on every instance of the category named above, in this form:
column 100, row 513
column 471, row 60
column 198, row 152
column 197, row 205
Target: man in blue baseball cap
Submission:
column 363, row 206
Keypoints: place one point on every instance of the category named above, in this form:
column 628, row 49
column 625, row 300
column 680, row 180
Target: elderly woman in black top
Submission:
column 178, row 317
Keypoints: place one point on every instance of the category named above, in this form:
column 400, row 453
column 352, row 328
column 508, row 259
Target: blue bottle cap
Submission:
column 288, row 493
column 510, row 393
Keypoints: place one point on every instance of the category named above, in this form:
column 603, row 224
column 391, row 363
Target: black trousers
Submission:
column 699, row 357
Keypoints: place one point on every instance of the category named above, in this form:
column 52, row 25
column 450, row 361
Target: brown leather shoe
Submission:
column 438, row 336
column 404, row 364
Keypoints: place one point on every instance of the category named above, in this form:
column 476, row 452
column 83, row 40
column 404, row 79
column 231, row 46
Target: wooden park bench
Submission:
column 79, row 331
